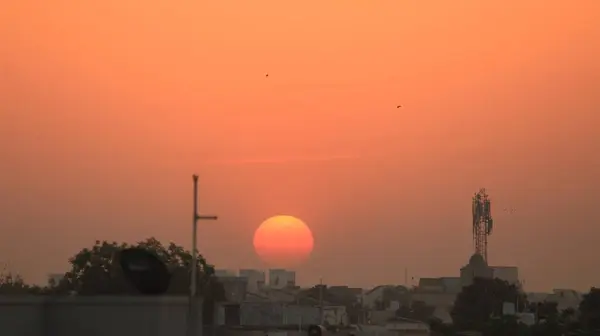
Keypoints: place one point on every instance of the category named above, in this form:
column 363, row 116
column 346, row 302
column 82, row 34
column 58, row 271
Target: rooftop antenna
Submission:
column 482, row 222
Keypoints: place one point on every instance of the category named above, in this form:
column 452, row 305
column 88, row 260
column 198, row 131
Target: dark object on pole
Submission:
column 148, row 274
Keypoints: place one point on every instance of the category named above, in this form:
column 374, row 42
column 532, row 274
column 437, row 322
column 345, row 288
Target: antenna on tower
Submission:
column 482, row 222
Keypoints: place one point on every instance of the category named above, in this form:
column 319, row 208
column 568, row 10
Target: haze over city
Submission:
column 108, row 108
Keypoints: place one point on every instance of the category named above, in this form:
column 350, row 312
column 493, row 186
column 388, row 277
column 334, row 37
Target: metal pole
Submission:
column 196, row 218
column 194, row 311
column 194, row 269
column 321, row 301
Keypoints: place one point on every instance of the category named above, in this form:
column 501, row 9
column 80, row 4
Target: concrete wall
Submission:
column 380, row 317
column 335, row 315
column 241, row 332
column 93, row 316
column 281, row 278
column 271, row 314
column 469, row 272
column 277, row 314
column 256, row 279
column 443, row 300
column 235, row 288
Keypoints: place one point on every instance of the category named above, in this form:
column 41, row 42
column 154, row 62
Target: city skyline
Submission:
column 104, row 119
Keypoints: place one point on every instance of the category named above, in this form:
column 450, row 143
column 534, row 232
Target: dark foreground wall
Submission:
column 93, row 316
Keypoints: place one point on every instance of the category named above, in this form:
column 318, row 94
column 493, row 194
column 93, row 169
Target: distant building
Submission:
column 287, row 295
column 343, row 291
column 372, row 297
column 281, row 278
column 225, row 273
column 432, row 285
column 236, row 288
column 267, row 314
column 255, row 279
column 385, row 297
column 476, row 268
column 437, row 292
column 451, row 285
column 509, row 274
column 565, row 298
column 536, row 297
column 335, row 315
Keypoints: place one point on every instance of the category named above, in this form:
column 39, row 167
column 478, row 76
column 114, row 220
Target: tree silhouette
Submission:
column 589, row 310
column 545, row 311
column 13, row 284
column 568, row 315
column 479, row 304
column 96, row 271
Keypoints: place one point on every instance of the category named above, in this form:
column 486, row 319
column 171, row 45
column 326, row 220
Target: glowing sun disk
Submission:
column 283, row 241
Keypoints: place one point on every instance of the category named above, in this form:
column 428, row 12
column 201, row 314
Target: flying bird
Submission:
column 267, row 75
column 399, row 106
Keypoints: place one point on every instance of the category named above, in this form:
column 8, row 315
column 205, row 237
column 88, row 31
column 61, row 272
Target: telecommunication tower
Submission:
column 482, row 222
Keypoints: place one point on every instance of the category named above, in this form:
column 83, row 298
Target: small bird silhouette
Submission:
column 399, row 106
column 267, row 75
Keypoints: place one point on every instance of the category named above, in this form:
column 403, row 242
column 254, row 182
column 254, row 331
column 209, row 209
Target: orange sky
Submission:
column 108, row 107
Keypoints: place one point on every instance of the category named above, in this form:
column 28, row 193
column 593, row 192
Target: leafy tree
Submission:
column 95, row 271
column 545, row 311
column 589, row 310
column 506, row 325
column 568, row 315
column 13, row 284
column 569, row 319
column 481, row 303
column 439, row 328
column 548, row 321
column 547, row 328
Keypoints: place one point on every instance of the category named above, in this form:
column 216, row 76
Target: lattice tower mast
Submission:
column 482, row 222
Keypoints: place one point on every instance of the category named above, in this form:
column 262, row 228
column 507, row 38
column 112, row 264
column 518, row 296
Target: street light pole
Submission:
column 192, row 329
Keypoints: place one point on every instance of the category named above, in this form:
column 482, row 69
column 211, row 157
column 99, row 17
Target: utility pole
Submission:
column 194, row 312
column 321, row 311
column 197, row 217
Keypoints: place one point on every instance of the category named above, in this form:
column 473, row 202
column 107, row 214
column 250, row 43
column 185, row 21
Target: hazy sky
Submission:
column 108, row 107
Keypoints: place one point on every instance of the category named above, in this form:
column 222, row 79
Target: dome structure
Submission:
column 476, row 268
column 477, row 261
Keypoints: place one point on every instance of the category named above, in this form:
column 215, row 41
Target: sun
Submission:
column 283, row 241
